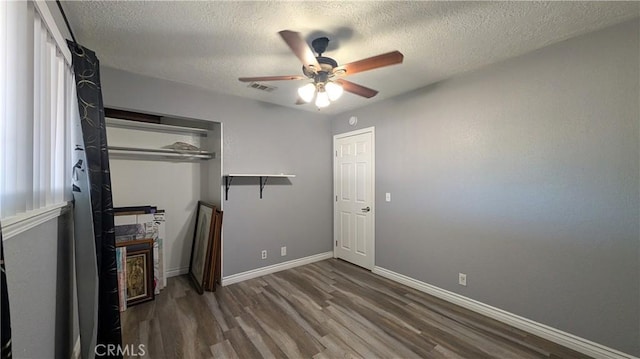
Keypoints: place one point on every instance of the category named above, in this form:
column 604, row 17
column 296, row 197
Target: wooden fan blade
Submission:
column 300, row 48
column 390, row 58
column 357, row 89
column 271, row 78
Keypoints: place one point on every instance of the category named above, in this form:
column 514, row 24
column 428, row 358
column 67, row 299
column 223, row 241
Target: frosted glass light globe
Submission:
column 333, row 90
column 322, row 99
column 306, row 92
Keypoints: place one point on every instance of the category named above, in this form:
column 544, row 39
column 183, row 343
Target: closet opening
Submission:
column 165, row 164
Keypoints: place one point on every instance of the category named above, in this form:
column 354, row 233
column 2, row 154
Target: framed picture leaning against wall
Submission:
column 202, row 240
column 138, row 267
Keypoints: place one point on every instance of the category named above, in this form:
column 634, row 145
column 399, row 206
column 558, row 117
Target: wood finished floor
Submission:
column 328, row 309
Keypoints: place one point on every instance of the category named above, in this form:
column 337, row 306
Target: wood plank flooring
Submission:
column 329, row 309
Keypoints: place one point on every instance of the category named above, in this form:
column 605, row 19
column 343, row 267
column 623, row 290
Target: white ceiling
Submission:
column 211, row 44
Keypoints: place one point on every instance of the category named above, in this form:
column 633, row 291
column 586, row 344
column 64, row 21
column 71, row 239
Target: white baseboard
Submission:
column 176, row 272
column 235, row 278
column 555, row 335
column 75, row 354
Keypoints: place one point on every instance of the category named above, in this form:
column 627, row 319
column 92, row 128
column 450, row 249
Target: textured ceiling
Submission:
column 211, row 44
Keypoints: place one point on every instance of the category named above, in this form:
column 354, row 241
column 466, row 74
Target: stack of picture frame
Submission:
column 140, row 233
column 205, row 264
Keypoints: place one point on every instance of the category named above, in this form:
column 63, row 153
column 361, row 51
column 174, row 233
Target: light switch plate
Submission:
column 387, row 197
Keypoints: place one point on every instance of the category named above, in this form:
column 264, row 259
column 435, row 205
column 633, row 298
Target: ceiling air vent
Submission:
column 262, row 87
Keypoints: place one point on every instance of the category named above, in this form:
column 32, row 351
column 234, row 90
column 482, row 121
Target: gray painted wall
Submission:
column 258, row 138
column 525, row 176
column 40, row 282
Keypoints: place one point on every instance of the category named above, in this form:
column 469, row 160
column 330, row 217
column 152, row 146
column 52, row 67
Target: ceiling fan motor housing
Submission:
column 327, row 65
column 320, row 45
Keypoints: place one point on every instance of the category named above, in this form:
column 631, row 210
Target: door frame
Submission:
column 372, row 130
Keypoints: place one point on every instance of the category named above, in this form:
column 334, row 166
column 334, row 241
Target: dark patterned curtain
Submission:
column 96, row 168
column 5, row 335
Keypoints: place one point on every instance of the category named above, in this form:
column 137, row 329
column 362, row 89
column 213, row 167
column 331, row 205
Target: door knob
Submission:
column 366, row 209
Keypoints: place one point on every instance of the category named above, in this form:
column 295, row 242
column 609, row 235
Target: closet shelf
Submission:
column 134, row 152
column 229, row 177
column 282, row 175
column 114, row 122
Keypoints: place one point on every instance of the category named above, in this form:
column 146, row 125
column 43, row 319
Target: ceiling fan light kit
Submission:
column 327, row 85
column 324, row 93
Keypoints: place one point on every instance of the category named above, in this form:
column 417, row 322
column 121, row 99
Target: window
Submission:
column 37, row 100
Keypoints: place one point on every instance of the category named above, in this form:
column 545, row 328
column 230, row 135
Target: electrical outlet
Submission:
column 462, row 279
column 387, row 197
column 264, row 254
column 283, row 251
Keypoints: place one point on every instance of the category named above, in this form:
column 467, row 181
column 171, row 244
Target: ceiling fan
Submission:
column 328, row 83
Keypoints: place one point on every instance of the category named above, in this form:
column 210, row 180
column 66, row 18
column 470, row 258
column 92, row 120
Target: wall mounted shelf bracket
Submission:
column 262, row 181
column 227, row 184
column 262, row 184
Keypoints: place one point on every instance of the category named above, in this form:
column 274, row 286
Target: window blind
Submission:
column 37, row 95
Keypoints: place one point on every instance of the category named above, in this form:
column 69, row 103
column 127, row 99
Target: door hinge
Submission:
column 336, row 198
column 336, row 243
column 336, row 153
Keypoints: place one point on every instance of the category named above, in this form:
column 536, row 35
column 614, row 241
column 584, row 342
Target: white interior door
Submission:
column 354, row 212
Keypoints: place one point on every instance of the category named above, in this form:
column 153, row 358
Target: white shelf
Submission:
column 136, row 125
column 229, row 177
column 281, row 175
column 144, row 140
